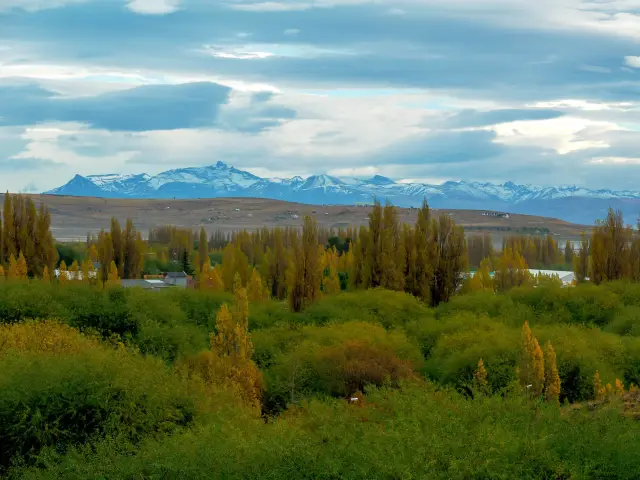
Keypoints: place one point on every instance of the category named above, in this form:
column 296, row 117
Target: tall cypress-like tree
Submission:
column 9, row 233
column 305, row 267
column 551, row 376
column 568, row 254
column 392, row 251
column 105, row 254
column 425, row 255
column 203, row 248
column 581, row 260
column 118, row 245
column 451, row 259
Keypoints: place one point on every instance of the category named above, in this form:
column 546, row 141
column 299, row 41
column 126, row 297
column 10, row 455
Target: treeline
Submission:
column 611, row 252
column 25, row 237
column 426, row 260
column 537, row 251
column 119, row 251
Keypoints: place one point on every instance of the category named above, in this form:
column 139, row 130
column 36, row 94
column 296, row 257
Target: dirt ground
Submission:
column 74, row 217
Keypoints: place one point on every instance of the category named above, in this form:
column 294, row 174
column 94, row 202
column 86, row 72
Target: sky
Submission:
column 541, row 92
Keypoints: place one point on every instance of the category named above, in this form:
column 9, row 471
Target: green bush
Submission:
column 338, row 360
column 65, row 400
column 382, row 307
column 464, row 341
column 626, row 322
column 415, row 432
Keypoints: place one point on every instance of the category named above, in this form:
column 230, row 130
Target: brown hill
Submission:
column 74, row 217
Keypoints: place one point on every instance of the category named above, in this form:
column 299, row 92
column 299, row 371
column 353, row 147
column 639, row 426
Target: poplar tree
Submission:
column 305, row 268
column 131, row 254
column 423, row 273
column 1, row 242
column 610, row 249
column 581, row 260
column 480, row 378
column 46, row 275
column 203, row 276
column 9, row 233
column 105, row 253
column 511, row 271
column 232, row 350
column 568, row 254
column 331, row 281
column 551, row 376
column 203, row 248
column 598, row 389
column 46, row 253
column 74, row 271
column 12, row 271
column 86, row 268
column 451, row 259
column 22, row 268
column 255, row 288
column 118, row 245
column 113, row 278
column 392, row 252
column 62, row 273
column 532, row 363
column 93, row 253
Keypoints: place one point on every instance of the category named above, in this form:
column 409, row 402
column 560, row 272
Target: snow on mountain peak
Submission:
column 221, row 179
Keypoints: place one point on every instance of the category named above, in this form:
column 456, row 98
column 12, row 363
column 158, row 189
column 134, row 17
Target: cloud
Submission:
column 35, row 5
column 154, row 7
column 475, row 118
column 150, row 107
column 632, row 61
column 491, row 89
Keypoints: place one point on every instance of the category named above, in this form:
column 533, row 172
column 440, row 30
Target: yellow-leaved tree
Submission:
column 480, row 378
column 551, row 376
column 304, row 275
column 532, row 363
column 256, row 290
column 84, row 272
column 481, row 280
column 21, row 267
column 512, row 270
column 74, row 271
column 62, row 273
column 112, row 278
column 598, row 390
column 2, row 274
column 46, row 276
column 229, row 362
column 331, row 280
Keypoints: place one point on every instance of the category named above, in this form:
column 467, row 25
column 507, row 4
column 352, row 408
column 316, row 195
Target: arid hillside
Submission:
column 74, row 217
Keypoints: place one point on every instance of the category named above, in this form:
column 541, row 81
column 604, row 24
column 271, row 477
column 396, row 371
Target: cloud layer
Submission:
column 543, row 92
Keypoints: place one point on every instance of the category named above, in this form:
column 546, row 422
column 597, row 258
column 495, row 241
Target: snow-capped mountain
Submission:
column 570, row 203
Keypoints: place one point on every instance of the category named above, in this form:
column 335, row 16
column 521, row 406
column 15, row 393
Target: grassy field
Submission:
column 73, row 217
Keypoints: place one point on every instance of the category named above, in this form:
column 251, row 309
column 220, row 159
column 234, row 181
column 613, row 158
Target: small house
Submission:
column 145, row 284
column 179, row 279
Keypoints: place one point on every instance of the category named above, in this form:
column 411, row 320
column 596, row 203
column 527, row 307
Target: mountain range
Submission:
column 570, row 203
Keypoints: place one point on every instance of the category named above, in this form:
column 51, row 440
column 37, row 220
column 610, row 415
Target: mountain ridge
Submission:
column 223, row 180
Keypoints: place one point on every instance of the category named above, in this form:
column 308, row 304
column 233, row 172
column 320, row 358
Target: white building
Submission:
column 566, row 277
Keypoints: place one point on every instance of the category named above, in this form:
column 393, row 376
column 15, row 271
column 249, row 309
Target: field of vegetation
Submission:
column 303, row 354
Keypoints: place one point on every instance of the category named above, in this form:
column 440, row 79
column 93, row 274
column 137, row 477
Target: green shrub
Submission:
column 586, row 304
column 382, row 307
column 626, row 322
column 415, row 432
column 64, row 400
column 464, row 341
column 338, row 360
